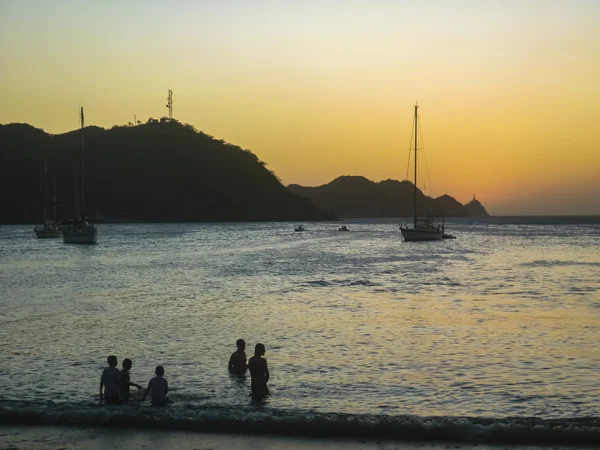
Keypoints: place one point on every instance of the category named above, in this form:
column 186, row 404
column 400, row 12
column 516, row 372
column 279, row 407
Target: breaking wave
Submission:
column 263, row 420
column 553, row 263
column 325, row 283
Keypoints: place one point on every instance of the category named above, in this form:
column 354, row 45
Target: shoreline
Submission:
column 457, row 431
column 535, row 219
column 37, row 437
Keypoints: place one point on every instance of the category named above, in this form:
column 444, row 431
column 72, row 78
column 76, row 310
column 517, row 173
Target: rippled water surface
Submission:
column 503, row 321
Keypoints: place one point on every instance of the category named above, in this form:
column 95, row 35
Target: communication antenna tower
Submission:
column 170, row 103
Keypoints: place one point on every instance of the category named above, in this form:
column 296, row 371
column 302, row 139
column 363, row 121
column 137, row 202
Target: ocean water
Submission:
column 494, row 331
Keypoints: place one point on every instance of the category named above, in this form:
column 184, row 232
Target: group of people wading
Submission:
column 115, row 384
column 259, row 371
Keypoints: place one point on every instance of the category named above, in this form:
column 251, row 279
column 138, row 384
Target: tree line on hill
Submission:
column 159, row 171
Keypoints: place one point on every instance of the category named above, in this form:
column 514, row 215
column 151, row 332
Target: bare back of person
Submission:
column 237, row 363
column 259, row 371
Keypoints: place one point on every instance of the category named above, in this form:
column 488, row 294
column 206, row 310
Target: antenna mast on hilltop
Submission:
column 170, row 103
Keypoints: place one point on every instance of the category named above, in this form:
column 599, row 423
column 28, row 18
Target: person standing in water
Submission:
column 126, row 381
column 237, row 361
column 158, row 388
column 259, row 371
column 111, row 382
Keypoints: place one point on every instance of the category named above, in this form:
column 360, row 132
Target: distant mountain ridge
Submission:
column 356, row 196
column 162, row 172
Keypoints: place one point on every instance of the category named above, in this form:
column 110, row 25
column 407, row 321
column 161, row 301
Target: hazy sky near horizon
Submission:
column 509, row 91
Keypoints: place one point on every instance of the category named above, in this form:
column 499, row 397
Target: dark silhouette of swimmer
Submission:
column 259, row 371
column 158, row 388
column 237, row 361
column 111, row 382
column 126, row 381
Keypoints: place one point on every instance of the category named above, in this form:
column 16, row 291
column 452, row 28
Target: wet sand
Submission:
column 97, row 438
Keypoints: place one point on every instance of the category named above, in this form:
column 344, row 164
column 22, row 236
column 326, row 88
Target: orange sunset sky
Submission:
column 509, row 91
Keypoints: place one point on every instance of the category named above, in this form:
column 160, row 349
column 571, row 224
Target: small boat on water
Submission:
column 49, row 229
column 83, row 231
column 343, row 228
column 299, row 228
column 424, row 228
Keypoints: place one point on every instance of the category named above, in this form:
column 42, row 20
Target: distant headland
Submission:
column 166, row 171
column 161, row 171
column 356, row 196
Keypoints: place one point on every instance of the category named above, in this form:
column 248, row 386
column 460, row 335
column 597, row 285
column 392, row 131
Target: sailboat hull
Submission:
column 423, row 234
column 80, row 235
column 48, row 233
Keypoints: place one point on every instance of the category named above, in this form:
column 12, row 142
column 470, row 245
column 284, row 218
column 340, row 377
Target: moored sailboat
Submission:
column 425, row 228
column 48, row 229
column 82, row 232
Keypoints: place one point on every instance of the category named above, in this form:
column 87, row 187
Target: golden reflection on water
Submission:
column 491, row 324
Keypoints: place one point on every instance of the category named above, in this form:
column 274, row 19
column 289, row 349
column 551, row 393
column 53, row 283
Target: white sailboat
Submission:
column 82, row 232
column 48, row 229
column 423, row 229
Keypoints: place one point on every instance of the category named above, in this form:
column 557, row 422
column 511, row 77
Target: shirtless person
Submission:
column 237, row 362
column 126, row 381
column 111, row 382
column 157, row 388
column 259, row 371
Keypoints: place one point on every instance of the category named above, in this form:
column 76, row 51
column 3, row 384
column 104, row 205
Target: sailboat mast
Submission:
column 76, row 185
column 54, row 202
column 45, row 185
column 82, row 166
column 415, row 191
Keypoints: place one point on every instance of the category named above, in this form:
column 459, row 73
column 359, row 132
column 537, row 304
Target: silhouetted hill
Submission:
column 152, row 172
column 475, row 208
column 90, row 131
column 451, row 206
column 355, row 196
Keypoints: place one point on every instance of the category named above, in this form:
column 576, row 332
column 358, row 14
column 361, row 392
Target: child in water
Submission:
column 237, row 362
column 158, row 388
column 111, row 382
column 259, row 371
column 126, row 381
